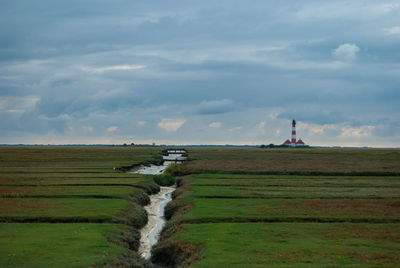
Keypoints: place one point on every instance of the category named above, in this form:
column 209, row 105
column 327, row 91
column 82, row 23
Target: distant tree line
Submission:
column 271, row 145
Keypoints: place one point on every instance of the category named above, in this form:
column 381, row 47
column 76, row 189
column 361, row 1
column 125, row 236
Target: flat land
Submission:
column 57, row 244
column 235, row 207
column 64, row 206
column 294, row 244
column 287, row 207
column 297, row 161
column 88, row 208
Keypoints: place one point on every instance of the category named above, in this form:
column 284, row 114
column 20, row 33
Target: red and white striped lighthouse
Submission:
column 293, row 142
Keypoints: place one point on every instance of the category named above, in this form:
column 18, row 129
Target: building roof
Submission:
column 300, row 142
column 287, row 142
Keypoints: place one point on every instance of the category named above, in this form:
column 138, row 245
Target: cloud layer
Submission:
column 170, row 124
column 200, row 72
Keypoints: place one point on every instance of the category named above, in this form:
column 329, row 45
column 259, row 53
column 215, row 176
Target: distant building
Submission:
column 300, row 143
column 287, row 142
column 292, row 142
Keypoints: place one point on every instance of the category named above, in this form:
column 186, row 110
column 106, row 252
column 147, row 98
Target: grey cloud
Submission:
column 204, row 62
column 215, row 106
column 317, row 114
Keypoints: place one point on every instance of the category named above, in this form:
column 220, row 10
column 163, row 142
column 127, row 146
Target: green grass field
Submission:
column 293, row 180
column 230, row 196
column 261, row 216
column 294, row 244
column 238, row 207
column 104, row 191
column 57, row 244
column 296, row 192
column 60, row 205
column 73, row 178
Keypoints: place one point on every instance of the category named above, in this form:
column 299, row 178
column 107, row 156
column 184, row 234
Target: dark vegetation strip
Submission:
column 127, row 238
column 287, row 220
column 298, row 173
column 291, row 197
column 135, row 217
column 141, row 199
column 149, row 188
column 63, row 196
column 84, row 177
column 53, row 172
column 299, row 186
column 74, row 184
column 11, row 219
column 77, row 184
column 42, row 168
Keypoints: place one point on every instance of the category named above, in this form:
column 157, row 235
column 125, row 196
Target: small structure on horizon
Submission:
column 293, row 142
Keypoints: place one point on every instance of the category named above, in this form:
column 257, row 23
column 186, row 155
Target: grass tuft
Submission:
column 170, row 209
column 129, row 259
column 164, row 180
column 175, row 170
column 175, row 254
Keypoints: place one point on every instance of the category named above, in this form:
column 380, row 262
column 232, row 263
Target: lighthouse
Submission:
column 293, row 141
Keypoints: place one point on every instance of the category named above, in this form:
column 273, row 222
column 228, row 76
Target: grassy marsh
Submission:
column 88, row 202
column 285, row 207
column 57, row 244
column 294, row 244
column 296, row 161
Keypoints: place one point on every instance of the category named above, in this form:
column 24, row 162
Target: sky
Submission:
column 200, row 72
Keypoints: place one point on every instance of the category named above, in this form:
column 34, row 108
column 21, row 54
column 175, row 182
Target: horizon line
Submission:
column 193, row 145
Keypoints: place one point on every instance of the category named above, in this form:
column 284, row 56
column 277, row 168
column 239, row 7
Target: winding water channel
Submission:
column 155, row 211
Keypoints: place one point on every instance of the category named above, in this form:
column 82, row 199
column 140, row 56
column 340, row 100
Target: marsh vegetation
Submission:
column 77, row 207
column 257, row 208
column 72, row 206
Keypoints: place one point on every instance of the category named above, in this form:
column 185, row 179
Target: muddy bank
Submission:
column 150, row 233
column 155, row 211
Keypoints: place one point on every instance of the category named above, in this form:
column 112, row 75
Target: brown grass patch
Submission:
column 381, row 257
column 359, row 207
column 292, row 160
column 15, row 206
column 374, row 232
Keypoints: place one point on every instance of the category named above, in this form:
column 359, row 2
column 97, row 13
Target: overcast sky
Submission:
column 200, row 72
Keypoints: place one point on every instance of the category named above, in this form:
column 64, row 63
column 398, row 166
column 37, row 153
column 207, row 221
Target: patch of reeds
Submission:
column 150, row 187
column 175, row 253
column 170, row 209
column 164, row 180
column 175, row 170
column 135, row 216
column 126, row 237
column 140, row 198
column 128, row 258
column 129, row 239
